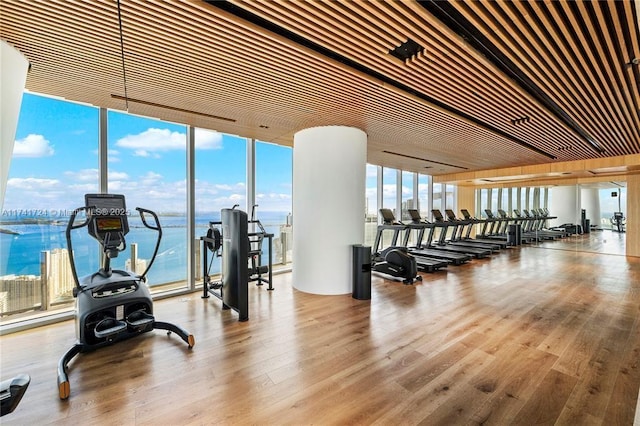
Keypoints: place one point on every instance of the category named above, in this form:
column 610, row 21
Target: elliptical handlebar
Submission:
column 71, row 227
column 158, row 228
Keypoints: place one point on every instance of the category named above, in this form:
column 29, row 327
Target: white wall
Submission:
column 590, row 201
column 565, row 204
column 13, row 77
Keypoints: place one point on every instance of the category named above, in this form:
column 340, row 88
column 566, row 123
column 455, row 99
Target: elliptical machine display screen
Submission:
column 107, row 216
column 109, row 224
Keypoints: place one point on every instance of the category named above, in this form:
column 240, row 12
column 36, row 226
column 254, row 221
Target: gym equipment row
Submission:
column 429, row 254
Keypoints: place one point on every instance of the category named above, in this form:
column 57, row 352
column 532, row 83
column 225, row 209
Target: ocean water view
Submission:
column 23, row 238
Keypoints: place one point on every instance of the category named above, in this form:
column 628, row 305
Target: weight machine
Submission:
column 241, row 258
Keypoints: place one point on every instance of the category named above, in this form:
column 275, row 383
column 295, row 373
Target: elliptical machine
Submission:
column 394, row 261
column 111, row 305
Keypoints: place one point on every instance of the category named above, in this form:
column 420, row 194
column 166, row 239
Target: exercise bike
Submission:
column 111, row 305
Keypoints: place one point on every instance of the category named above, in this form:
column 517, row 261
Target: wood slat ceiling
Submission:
column 267, row 69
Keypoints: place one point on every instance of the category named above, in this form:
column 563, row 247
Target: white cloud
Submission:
column 118, row 175
column 151, row 178
column 32, row 183
column 86, row 188
column 32, row 146
column 84, row 175
column 113, row 156
column 208, row 139
column 152, row 141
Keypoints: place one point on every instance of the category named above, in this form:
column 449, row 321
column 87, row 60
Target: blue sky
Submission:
column 55, row 162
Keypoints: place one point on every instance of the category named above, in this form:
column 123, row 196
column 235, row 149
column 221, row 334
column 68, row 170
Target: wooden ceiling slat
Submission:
column 591, row 92
column 499, row 108
column 540, row 74
column 197, row 57
column 558, row 76
column 454, row 74
column 633, row 51
column 447, row 89
column 603, row 69
column 544, row 120
column 617, row 59
column 516, row 50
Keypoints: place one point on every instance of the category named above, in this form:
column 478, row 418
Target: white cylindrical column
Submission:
column 590, row 201
column 565, row 205
column 14, row 68
column 329, row 173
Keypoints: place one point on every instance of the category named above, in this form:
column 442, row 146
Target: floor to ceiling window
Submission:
column 437, row 198
column 371, row 200
column 54, row 163
column 613, row 208
column 274, row 177
column 220, row 183
column 390, row 190
column 408, row 200
column 424, row 196
column 147, row 163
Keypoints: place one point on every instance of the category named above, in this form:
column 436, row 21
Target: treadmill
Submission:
column 423, row 263
column 442, row 244
column 458, row 228
column 426, row 251
column 472, row 221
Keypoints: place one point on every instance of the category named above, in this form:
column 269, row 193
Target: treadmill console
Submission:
column 415, row 215
column 388, row 217
column 437, row 215
column 450, row 215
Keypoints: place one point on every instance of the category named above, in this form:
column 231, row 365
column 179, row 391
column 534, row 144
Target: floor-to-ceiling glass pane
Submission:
column 484, row 203
column 54, row 162
column 147, row 163
column 389, row 190
column 450, row 197
column 437, row 198
column 423, row 196
column 504, row 200
column 494, row 200
column 221, row 183
column 613, row 208
column 408, row 202
column 389, row 198
column 524, row 198
column 371, row 218
column 273, row 176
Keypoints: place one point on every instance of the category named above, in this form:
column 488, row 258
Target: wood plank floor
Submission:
column 545, row 334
